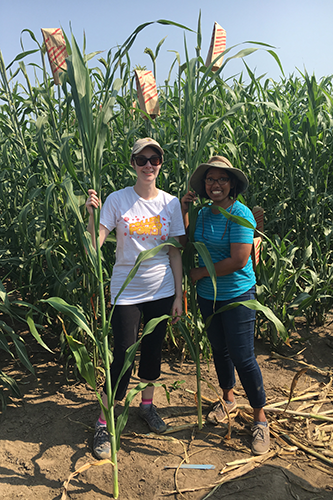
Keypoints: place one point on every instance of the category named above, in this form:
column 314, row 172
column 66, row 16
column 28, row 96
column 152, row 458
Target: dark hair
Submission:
column 234, row 191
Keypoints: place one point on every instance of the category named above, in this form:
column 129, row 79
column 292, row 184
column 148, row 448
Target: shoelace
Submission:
column 153, row 417
column 258, row 433
column 102, row 435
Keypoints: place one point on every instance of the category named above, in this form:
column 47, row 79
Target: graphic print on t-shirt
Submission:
column 148, row 226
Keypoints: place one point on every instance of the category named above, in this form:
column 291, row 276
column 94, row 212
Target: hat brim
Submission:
column 147, row 142
column 197, row 178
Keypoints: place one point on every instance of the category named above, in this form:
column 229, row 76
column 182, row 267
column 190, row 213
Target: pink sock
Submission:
column 101, row 421
column 147, row 401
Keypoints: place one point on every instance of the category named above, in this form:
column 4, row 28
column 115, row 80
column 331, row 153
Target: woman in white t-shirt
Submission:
column 144, row 217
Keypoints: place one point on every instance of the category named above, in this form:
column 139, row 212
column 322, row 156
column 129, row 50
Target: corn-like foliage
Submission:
column 279, row 133
column 56, row 144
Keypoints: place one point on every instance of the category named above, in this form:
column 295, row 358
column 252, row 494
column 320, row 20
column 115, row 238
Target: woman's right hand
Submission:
column 188, row 198
column 93, row 201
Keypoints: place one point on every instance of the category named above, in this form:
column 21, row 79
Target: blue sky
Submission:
column 301, row 30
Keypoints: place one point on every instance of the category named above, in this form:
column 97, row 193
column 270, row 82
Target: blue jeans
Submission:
column 231, row 334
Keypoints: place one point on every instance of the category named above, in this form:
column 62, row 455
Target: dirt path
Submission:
column 48, row 435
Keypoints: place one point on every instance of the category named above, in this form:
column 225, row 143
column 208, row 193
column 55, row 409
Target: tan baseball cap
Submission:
column 147, row 142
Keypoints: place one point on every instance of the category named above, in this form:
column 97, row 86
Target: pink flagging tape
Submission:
column 257, row 248
column 57, row 59
column 217, row 46
column 54, row 32
column 258, row 214
column 146, row 88
column 56, row 51
column 147, row 92
column 220, row 43
column 150, row 98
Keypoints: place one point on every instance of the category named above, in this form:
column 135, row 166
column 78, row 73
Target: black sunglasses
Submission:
column 142, row 160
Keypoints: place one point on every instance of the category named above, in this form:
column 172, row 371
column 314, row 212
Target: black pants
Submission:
column 125, row 322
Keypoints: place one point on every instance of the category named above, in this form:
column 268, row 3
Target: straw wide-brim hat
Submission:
column 197, row 178
column 147, row 142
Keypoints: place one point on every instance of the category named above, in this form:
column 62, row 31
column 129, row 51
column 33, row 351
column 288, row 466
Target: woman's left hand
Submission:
column 177, row 309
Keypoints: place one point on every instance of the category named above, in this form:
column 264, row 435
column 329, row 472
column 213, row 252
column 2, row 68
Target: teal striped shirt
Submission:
column 210, row 229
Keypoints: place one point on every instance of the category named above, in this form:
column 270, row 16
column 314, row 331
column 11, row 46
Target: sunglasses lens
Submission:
column 140, row 161
column 155, row 161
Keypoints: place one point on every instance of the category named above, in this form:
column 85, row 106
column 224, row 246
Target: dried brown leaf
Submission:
column 82, row 469
column 294, row 383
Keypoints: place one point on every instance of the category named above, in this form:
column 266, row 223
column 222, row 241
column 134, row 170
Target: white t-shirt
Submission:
column 141, row 225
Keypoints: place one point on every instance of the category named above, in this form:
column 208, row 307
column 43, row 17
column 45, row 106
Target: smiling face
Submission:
column 219, row 194
column 147, row 173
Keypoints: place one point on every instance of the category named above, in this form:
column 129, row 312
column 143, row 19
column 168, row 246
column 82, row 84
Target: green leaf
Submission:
column 21, row 352
column 34, row 331
column 73, row 312
column 188, row 339
column 131, row 351
column 3, row 339
column 235, row 218
column 11, row 384
column 146, row 254
column 123, row 417
column 21, row 56
column 255, row 306
column 206, row 257
column 66, row 157
column 83, row 361
column 159, row 45
column 171, row 23
column 274, row 54
column 73, row 203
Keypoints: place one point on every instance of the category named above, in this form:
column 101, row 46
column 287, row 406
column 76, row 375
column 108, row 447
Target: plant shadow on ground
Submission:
column 48, row 434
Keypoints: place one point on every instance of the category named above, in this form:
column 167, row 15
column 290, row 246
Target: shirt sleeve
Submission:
column 241, row 234
column 108, row 216
column 176, row 223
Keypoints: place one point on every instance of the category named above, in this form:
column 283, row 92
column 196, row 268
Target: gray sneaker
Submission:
column 261, row 439
column 150, row 415
column 101, row 446
column 218, row 414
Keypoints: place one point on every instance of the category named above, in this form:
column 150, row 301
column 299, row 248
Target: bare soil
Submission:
column 48, row 434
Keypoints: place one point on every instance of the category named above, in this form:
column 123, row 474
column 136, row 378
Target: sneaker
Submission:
column 261, row 439
column 150, row 415
column 218, row 414
column 102, row 446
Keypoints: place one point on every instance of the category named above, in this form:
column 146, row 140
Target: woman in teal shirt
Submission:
column 231, row 333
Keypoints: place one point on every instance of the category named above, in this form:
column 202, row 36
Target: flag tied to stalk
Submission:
column 258, row 214
column 217, row 46
column 147, row 92
column 56, row 50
